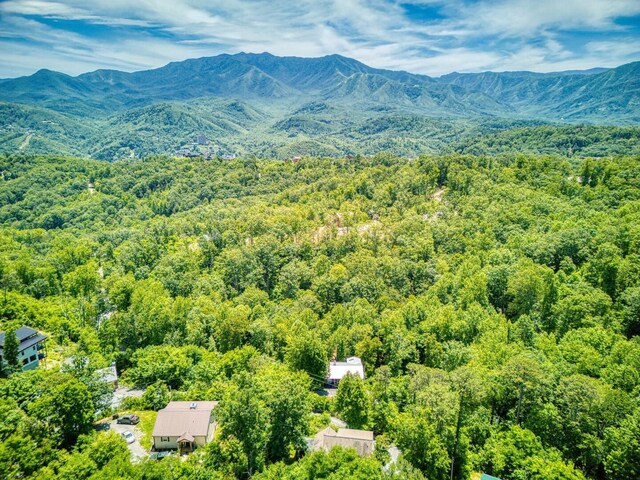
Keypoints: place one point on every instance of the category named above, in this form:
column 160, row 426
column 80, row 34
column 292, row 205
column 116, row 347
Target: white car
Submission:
column 129, row 437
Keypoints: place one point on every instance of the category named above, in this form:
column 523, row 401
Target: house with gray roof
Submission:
column 31, row 347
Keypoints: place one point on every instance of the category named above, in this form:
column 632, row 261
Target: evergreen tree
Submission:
column 10, row 351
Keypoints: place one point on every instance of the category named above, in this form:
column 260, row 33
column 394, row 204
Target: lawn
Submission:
column 147, row 420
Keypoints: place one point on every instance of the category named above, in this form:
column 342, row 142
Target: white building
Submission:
column 337, row 370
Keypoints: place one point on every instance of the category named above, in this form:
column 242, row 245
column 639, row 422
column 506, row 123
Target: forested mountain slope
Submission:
column 312, row 106
column 593, row 97
column 494, row 300
column 315, row 128
column 245, row 77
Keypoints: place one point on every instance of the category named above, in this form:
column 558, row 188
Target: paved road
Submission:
column 137, row 451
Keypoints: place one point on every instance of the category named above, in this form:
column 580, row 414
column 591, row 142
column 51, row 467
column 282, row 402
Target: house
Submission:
column 201, row 140
column 337, row 370
column 30, row 349
column 360, row 440
column 184, row 426
column 109, row 375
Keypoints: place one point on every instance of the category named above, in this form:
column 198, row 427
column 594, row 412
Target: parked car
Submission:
column 160, row 455
column 129, row 437
column 128, row 419
column 101, row 427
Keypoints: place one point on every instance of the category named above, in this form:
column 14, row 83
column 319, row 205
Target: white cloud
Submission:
column 514, row 34
column 518, row 18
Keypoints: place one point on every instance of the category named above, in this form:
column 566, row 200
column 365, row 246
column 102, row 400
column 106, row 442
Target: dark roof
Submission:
column 26, row 336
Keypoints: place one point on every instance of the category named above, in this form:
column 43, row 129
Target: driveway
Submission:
column 121, row 393
column 137, row 451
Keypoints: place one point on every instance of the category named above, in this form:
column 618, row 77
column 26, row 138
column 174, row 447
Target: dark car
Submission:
column 101, row 427
column 128, row 419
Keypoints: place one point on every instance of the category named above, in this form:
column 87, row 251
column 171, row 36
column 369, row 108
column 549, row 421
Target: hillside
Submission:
column 493, row 296
column 242, row 76
column 566, row 96
column 285, row 106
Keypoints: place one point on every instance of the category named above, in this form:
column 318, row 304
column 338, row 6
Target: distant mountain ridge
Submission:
column 276, row 105
column 247, row 76
column 612, row 94
column 597, row 95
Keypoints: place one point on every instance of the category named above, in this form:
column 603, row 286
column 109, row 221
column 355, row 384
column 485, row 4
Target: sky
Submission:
column 432, row 37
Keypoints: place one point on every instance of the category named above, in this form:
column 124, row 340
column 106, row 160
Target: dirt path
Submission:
column 26, row 140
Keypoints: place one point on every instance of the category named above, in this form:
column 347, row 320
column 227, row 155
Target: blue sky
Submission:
column 426, row 36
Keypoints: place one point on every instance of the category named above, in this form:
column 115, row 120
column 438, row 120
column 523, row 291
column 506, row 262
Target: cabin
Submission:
column 31, row 348
column 337, row 370
column 361, row 441
column 184, row 426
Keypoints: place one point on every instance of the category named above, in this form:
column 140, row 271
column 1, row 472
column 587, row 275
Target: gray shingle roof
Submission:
column 26, row 336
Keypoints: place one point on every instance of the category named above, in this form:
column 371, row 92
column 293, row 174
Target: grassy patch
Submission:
column 147, row 420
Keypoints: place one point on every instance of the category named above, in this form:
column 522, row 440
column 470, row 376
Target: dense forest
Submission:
column 493, row 297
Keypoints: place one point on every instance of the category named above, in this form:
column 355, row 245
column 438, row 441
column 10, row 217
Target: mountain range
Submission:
column 252, row 102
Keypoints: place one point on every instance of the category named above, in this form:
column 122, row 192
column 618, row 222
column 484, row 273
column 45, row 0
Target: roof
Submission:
column 186, row 438
column 351, row 436
column 109, row 374
column 330, row 432
column 488, row 477
column 337, row 370
column 27, row 337
column 199, row 406
column 178, row 419
column 354, row 434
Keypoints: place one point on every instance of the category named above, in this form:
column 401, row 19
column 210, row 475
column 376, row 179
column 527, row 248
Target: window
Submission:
column 164, row 439
column 25, row 361
column 32, row 358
